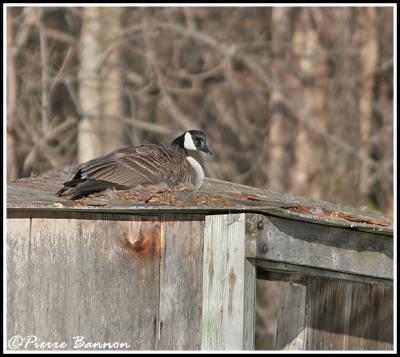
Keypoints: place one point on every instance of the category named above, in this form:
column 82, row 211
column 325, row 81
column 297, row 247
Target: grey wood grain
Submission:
column 291, row 325
column 348, row 316
column 249, row 313
column 96, row 277
column 223, row 283
column 250, row 278
column 19, row 283
column 371, row 321
column 181, row 283
column 270, row 270
column 325, row 247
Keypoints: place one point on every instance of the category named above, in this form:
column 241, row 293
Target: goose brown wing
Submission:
column 142, row 165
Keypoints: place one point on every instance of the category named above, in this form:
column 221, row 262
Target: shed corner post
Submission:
column 229, row 278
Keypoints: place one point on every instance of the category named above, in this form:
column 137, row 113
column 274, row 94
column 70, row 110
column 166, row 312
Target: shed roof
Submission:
column 216, row 196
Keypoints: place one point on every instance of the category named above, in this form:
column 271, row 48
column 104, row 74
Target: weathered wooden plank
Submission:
column 249, row 313
column 291, row 326
column 250, row 279
column 328, row 314
column 181, row 283
column 254, row 225
column 348, row 316
column 278, row 199
column 223, row 283
column 96, row 277
column 271, row 270
column 325, row 247
column 371, row 321
column 38, row 193
column 19, row 284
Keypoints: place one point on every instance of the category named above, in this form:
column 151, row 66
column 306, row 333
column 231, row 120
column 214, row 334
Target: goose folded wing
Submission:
column 128, row 168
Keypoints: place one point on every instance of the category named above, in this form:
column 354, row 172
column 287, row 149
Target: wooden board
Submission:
column 181, row 283
column 372, row 318
column 325, row 247
column 291, row 325
column 225, row 285
column 348, row 316
column 19, row 285
column 249, row 313
column 270, row 270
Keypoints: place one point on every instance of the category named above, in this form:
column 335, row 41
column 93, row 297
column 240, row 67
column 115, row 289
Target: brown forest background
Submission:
column 297, row 100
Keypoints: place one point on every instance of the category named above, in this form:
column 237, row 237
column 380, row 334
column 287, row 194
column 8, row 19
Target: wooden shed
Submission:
column 177, row 271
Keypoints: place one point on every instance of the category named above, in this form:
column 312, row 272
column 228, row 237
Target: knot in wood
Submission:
column 264, row 248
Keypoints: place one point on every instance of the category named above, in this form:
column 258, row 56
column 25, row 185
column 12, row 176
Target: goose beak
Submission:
column 205, row 148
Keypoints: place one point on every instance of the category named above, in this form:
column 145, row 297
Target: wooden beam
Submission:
column 325, row 247
column 270, row 270
column 228, row 285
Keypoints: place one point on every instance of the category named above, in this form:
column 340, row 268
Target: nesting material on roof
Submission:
column 167, row 198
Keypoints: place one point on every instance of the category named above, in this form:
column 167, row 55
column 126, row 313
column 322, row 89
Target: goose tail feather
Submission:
column 82, row 187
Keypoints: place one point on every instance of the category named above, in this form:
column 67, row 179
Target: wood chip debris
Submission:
column 178, row 198
column 171, row 198
column 336, row 216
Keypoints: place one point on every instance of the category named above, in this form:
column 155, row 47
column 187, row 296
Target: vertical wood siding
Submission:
column 109, row 278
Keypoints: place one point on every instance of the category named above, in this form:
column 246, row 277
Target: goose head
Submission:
column 192, row 140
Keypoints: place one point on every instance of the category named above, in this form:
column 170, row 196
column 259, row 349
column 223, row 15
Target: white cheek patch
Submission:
column 188, row 143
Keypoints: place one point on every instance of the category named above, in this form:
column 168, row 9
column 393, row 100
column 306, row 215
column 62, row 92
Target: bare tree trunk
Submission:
column 309, row 148
column 347, row 116
column 44, row 62
column 12, row 90
column 342, row 95
column 381, row 142
column 100, row 89
column 369, row 60
column 282, row 131
column 110, row 74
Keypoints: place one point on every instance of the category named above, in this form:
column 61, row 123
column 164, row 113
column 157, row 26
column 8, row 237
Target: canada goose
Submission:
column 151, row 164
